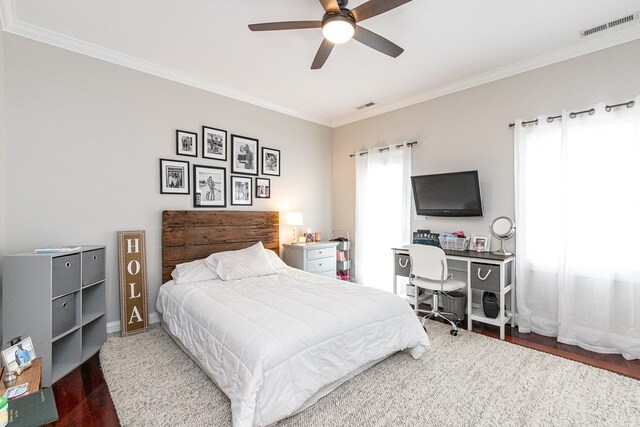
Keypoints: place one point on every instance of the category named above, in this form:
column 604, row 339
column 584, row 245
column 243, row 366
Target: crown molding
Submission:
column 11, row 24
column 7, row 14
column 604, row 41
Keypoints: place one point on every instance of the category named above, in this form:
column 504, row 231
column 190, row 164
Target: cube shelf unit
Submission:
column 59, row 300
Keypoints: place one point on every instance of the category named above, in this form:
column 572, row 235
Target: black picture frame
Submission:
column 270, row 161
column 244, row 155
column 214, row 143
column 263, row 189
column 209, row 187
column 174, row 177
column 186, row 143
column 241, row 190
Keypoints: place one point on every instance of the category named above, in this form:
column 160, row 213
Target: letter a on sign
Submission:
column 132, row 268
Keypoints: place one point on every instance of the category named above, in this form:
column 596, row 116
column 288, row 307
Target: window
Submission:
column 577, row 212
column 383, row 206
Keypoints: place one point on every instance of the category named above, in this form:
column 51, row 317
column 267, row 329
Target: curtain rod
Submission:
column 574, row 114
column 409, row 144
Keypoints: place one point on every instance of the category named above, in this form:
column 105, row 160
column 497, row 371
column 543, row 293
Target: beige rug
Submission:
column 470, row 380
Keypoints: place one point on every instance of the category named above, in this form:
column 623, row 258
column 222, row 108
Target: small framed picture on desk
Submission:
column 19, row 356
column 480, row 243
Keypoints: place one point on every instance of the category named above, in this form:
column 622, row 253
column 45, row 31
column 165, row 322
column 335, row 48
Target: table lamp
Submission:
column 293, row 218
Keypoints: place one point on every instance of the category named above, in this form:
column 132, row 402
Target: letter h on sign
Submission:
column 133, row 282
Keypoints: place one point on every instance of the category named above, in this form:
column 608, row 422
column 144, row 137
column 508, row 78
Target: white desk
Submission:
column 464, row 264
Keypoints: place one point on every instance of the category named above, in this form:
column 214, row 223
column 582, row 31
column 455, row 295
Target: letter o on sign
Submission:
column 133, row 267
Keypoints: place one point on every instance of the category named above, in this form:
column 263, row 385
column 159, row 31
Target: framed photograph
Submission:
column 244, row 155
column 214, row 143
column 17, row 356
column 186, row 143
column 174, row 177
column 263, row 188
column 209, row 187
column 241, row 188
column 270, row 161
column 480, row 243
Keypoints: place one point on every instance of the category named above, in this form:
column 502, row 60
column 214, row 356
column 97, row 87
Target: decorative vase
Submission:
column 9, row 379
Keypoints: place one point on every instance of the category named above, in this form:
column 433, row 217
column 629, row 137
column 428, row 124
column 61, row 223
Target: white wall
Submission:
column 468, row 130
column 83, row 139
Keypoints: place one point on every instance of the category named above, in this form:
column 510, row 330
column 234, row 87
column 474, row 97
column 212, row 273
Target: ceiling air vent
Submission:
column 615, row 23
column 367, row 105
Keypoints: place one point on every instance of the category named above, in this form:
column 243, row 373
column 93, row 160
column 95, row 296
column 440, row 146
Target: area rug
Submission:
column 469, row 380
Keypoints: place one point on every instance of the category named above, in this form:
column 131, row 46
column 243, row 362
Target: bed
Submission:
column 276, row 343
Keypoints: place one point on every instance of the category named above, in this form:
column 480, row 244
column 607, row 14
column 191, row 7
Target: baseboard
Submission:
column 115, row 326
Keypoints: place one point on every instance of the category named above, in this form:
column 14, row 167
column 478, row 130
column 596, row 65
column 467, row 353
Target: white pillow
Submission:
column 194, row 271
column 250, row 262
column 276, row 262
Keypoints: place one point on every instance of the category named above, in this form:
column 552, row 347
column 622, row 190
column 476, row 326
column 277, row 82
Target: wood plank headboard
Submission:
column 191, row 235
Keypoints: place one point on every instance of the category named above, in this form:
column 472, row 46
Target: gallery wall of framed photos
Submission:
column 235, row 156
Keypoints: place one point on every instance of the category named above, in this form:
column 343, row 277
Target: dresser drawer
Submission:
column 322, row 264
column 321, row 253
column 65, row 274
column 92, row 267
column 329, row 273
column 486, row 277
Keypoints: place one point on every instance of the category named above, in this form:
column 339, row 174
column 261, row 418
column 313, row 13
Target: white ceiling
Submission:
column 449, row 45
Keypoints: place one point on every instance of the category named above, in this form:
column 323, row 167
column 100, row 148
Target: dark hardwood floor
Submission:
column 83, row 398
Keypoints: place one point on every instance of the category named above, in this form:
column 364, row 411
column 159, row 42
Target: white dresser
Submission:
column 318, row 258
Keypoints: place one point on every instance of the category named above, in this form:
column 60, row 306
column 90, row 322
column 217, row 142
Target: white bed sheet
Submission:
column 272, row 342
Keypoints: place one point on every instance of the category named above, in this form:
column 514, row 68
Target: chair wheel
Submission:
column 458, row 323
column 454, row 332
column 425, row 328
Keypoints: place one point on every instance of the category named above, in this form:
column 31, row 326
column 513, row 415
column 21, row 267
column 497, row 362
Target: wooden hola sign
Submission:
column 133, row 282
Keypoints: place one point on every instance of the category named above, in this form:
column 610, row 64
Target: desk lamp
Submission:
column 294, row 219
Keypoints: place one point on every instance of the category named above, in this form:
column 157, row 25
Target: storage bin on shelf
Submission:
column 454, row 243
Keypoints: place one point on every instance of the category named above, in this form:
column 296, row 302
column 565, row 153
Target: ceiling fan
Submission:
column 340, row 24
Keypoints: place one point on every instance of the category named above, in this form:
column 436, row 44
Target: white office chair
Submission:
column 429, row 271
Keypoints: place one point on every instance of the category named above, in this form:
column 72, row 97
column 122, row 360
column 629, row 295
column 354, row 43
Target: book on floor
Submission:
column 34, row 409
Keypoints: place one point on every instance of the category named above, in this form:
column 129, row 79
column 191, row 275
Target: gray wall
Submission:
column 468, row 130
column 83, row 139
column 2, row 168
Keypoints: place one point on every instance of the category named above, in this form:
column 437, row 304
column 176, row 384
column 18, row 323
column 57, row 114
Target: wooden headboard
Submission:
column 191, row 235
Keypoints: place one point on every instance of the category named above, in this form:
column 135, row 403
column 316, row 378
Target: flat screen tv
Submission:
column 447, row 194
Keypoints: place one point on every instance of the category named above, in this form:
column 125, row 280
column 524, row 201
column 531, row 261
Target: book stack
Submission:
column 60, row 250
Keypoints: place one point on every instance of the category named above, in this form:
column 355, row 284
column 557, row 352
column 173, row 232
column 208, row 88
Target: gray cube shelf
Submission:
column 59, row 300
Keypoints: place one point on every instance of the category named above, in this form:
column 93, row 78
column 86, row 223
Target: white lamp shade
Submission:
column 293, row 218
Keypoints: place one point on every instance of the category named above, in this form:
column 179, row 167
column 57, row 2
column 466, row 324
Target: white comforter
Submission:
column 272, row 342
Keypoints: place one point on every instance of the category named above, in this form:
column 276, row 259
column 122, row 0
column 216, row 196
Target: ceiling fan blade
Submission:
column 323, row 53
column 375, row 7
column 330, row 6
column 288, row 25
column 377, row 42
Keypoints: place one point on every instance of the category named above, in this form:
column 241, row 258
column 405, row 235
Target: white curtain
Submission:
column 577, row 213
column 383, row 212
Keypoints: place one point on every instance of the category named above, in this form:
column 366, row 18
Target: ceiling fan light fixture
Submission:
column 338, row 29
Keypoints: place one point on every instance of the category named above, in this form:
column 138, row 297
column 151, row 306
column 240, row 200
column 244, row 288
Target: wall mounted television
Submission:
column 447, row 194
